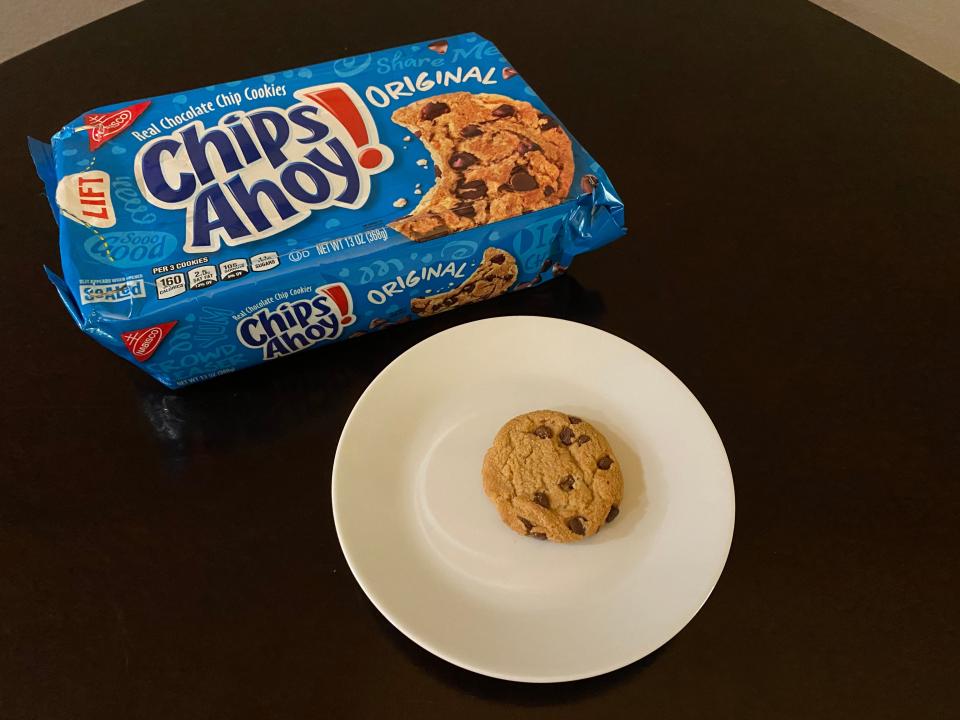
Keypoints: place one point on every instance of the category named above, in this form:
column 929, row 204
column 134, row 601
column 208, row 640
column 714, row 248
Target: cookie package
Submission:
column 207, row 231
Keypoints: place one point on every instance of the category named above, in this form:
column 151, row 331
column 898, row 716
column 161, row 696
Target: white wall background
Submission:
column 24, row 24
column 927, row 29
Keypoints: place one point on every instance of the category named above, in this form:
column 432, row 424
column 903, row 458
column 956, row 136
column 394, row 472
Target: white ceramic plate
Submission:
column 430, row 551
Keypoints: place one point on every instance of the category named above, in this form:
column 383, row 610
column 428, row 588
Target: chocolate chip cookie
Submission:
column 494, row 158
column 553, row 477
column 493, row 276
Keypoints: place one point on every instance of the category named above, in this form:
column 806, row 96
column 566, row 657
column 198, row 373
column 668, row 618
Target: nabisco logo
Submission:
column 103, row 126
column 144, row 342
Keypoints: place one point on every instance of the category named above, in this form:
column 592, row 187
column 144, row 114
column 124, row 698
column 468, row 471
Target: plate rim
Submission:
column 466, row 665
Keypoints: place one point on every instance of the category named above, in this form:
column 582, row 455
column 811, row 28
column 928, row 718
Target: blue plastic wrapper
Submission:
column 207, row 231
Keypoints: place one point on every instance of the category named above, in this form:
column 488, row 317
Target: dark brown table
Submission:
column 792, row 187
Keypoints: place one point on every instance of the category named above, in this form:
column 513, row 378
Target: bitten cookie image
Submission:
column 494, row 275
column 553, row 476
column 494, row 157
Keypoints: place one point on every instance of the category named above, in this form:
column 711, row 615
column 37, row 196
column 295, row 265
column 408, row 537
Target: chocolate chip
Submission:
column 541, row 499
column 436, row 171
column 566, row 484
column 526, row 146
column 583, row 439
column 499, row 259
column 576, row 525
column 539, row 535
column 547, row 191
column 505, row 188
column 566, row 436
column 470, row 131
column 418, row 133
column 462, row 160
column 440, row 46
column 433, row 110
column 546, row 122
column 490, row 276
column 468, row 287
column 574, row 420
column 509, row 72
column 465, row 210
column 522, row 181
column 526, row 523
column 503, row 111
column 472, row 190
column 604, row 463
column 543, row 432
column 448, row 301
column 614, row 511
column 588, row 183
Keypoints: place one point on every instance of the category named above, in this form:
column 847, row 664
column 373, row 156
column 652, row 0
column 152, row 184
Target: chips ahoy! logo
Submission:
column 261, row 172
column 294, row 326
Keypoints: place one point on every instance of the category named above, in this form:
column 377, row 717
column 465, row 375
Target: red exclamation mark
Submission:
column 341, row 298
column 338, row 103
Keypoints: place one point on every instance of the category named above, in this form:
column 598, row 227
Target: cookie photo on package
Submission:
column 210, row 230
